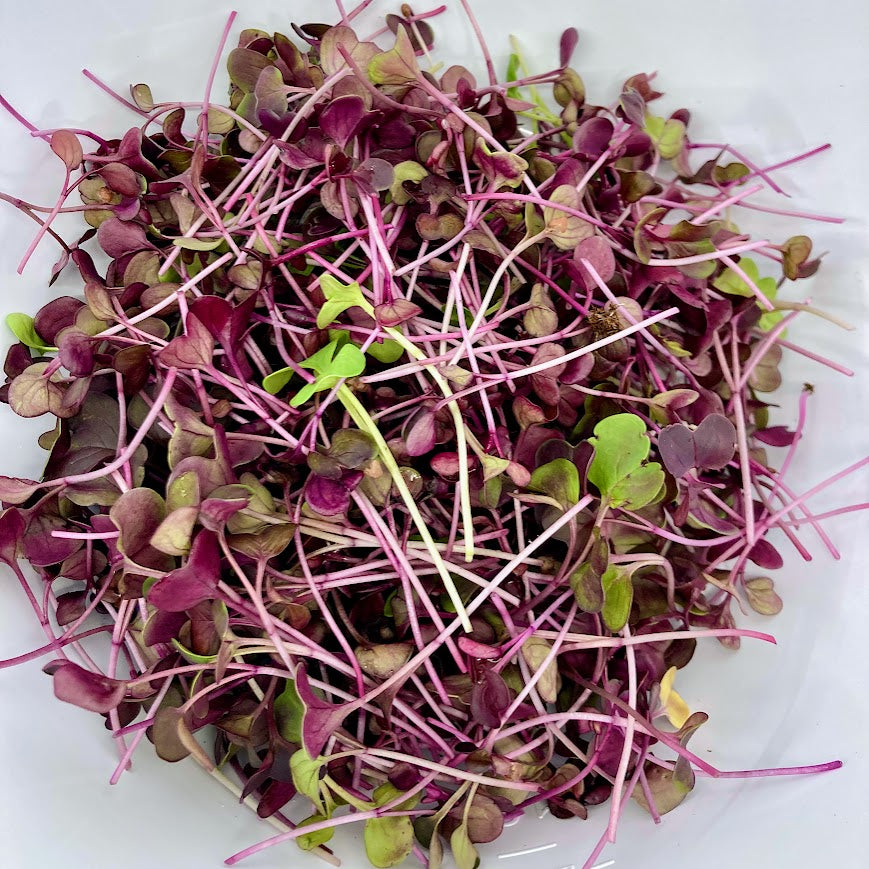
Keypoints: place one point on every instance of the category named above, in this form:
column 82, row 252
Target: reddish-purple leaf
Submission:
column 67, row 146
column 567, row 46
column 193, row 583
column 325, row 496
column 676, row 448
column 12, row 526
column 16, row 490
column 776, row 436
column 593, row 137
column 490, row 699
column 422, row 435
column 92, row 691
column 765, row 555
column 396, row 312
column 70, row 607
column 714, row 442
column 341, row 117
column 58, row 314
column 193, row 350
column 117, row 237
column 321, row 719
column 122, row 179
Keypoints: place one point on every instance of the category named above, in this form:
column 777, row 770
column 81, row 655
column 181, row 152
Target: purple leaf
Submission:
column 714, row 442
column 567, row 46
column 326, row 497
column 321, row 719
column 422, row 434
column 377, row 174
column 676, row 447
column 40, row 547
column 16, row 490
column 117, row 237
column 340, row 119
column 187, row 586
column 70, row 607
column 92, row 691
column 193, row 350
column 396, row 312
column 490, row 699
column 597, row 251
column 163, row 627
column 593, row 137
column 58, row 314
column 122, row 179
column 765, row 555
column 12, row 526
column 776, row 436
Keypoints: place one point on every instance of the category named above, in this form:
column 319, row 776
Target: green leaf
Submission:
column 396, row 66
column 198, row 243
column 513, row 75
column 309, row 841
column 310, row 389
column 730, row 282
column 192, row 657
column 587, row 588
column 407, row 170
column 289, row 712
column 668, row 136
column 339, row 297
column 559, row 479
column 339, row 361
column 464, row 852
column 639, row 488
column 306, row 777
column 388, row 840
column 620, row 447
column 565, row 230
column 669, row 787
column 23, row 328
column 618, row 595
column 277, row 380
column 388, row 792
column 387, row 351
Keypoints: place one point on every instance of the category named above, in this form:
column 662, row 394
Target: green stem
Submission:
column 462, row 434
column 363, row 420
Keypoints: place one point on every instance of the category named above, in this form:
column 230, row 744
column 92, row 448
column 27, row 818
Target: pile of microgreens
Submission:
column 411, row 440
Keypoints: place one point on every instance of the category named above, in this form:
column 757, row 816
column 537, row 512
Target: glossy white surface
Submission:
column 773, row 78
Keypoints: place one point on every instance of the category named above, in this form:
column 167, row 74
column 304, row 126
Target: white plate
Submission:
column 772, row 78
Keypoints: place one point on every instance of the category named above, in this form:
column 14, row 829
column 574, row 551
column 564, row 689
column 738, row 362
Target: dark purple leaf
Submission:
column 776, row 436
column 341, row 117
column 321, row 719
column 714, row 442
column 117, row 237
column 490, row 699
column 193, row 583
column 765, row 555
column 325, row 496
column 70, row 606
column 593, row 137
column 676, row 448
column 57, row 315
column 567, row 46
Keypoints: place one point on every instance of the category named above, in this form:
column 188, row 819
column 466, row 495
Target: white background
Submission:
column 774, row 78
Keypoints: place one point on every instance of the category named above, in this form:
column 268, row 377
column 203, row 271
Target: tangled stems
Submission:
column 404, row 447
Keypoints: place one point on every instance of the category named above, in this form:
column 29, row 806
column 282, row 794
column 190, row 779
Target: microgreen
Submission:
column 404, row 454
